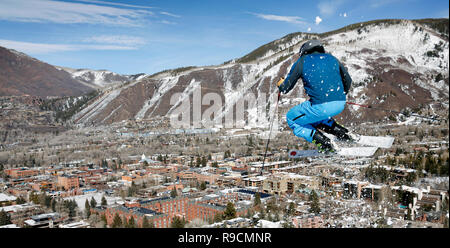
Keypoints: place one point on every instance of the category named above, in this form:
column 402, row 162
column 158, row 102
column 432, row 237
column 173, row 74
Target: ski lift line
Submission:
column 270, row 132
column 393, row 111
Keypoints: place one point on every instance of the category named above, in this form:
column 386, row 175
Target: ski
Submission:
column 378, row 141
column 362, row 151
column 365, row 140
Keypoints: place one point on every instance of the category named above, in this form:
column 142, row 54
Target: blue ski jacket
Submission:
column 324, row 78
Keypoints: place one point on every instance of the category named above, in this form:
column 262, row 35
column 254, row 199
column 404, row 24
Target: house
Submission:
column 48, row 220
column 20, row 212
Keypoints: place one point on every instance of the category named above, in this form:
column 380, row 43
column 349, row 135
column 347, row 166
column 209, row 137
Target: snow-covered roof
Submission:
column 269, row 224
column 17, row 207
column 4, row 197
column 257, row 178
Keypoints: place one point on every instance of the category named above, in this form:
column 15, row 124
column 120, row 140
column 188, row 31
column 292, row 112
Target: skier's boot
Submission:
column 323, row 143
column 337, row 130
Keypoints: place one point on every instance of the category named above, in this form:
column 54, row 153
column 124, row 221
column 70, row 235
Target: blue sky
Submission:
column 129, row 36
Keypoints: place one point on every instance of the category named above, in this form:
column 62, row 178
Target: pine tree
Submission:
column 5, row 219
column 117, row 221
column 230, row 211
column 177, row 222
column 71, row 205
column 87, row 209
column 132, row 190
column 199, row 162
column 93, row 203
column 227, row 154
column 257, row 200
column 218, row 218
column 48, row 201
column 20, row 200
column 104, row 202
column 204, row 161
column 34, row 197
column 291, row 209
column 131, row 223
column 203, row 185
column 314, row 203
column 173, row 193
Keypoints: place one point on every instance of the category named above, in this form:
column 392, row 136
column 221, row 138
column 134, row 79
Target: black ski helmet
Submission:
column 311, row 46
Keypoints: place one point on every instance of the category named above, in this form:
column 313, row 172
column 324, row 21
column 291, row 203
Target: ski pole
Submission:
column 393, row 111
column 270, row 132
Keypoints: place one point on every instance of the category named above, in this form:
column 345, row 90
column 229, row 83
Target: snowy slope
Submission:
column 101, row 78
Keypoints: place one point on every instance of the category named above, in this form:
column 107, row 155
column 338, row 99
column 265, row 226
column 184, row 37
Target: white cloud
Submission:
column 289, row 19
column 345, row 14
column 116, row 4
column 116, row 39
column 168, row 22
column 309, row 29
column 169, row 14
column 318, row 20
column 328, row 8
column 69, row 12
column 42, row 48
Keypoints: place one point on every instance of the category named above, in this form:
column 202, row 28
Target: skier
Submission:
column 326, row 82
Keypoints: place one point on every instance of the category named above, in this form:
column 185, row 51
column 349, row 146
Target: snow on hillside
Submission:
column 86, row 114
column 166, row 84
column 406, row 40
column 101, row 78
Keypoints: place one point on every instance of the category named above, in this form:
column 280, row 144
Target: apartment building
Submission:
column 21, row 172
column 68, row 182
column 282, row 183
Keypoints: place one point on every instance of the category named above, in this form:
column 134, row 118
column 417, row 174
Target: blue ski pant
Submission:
column 304, row 118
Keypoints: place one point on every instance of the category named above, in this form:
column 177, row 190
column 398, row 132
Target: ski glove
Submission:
column 280, row 82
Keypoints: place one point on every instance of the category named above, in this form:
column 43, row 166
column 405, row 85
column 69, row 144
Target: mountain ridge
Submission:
column 24, row 75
